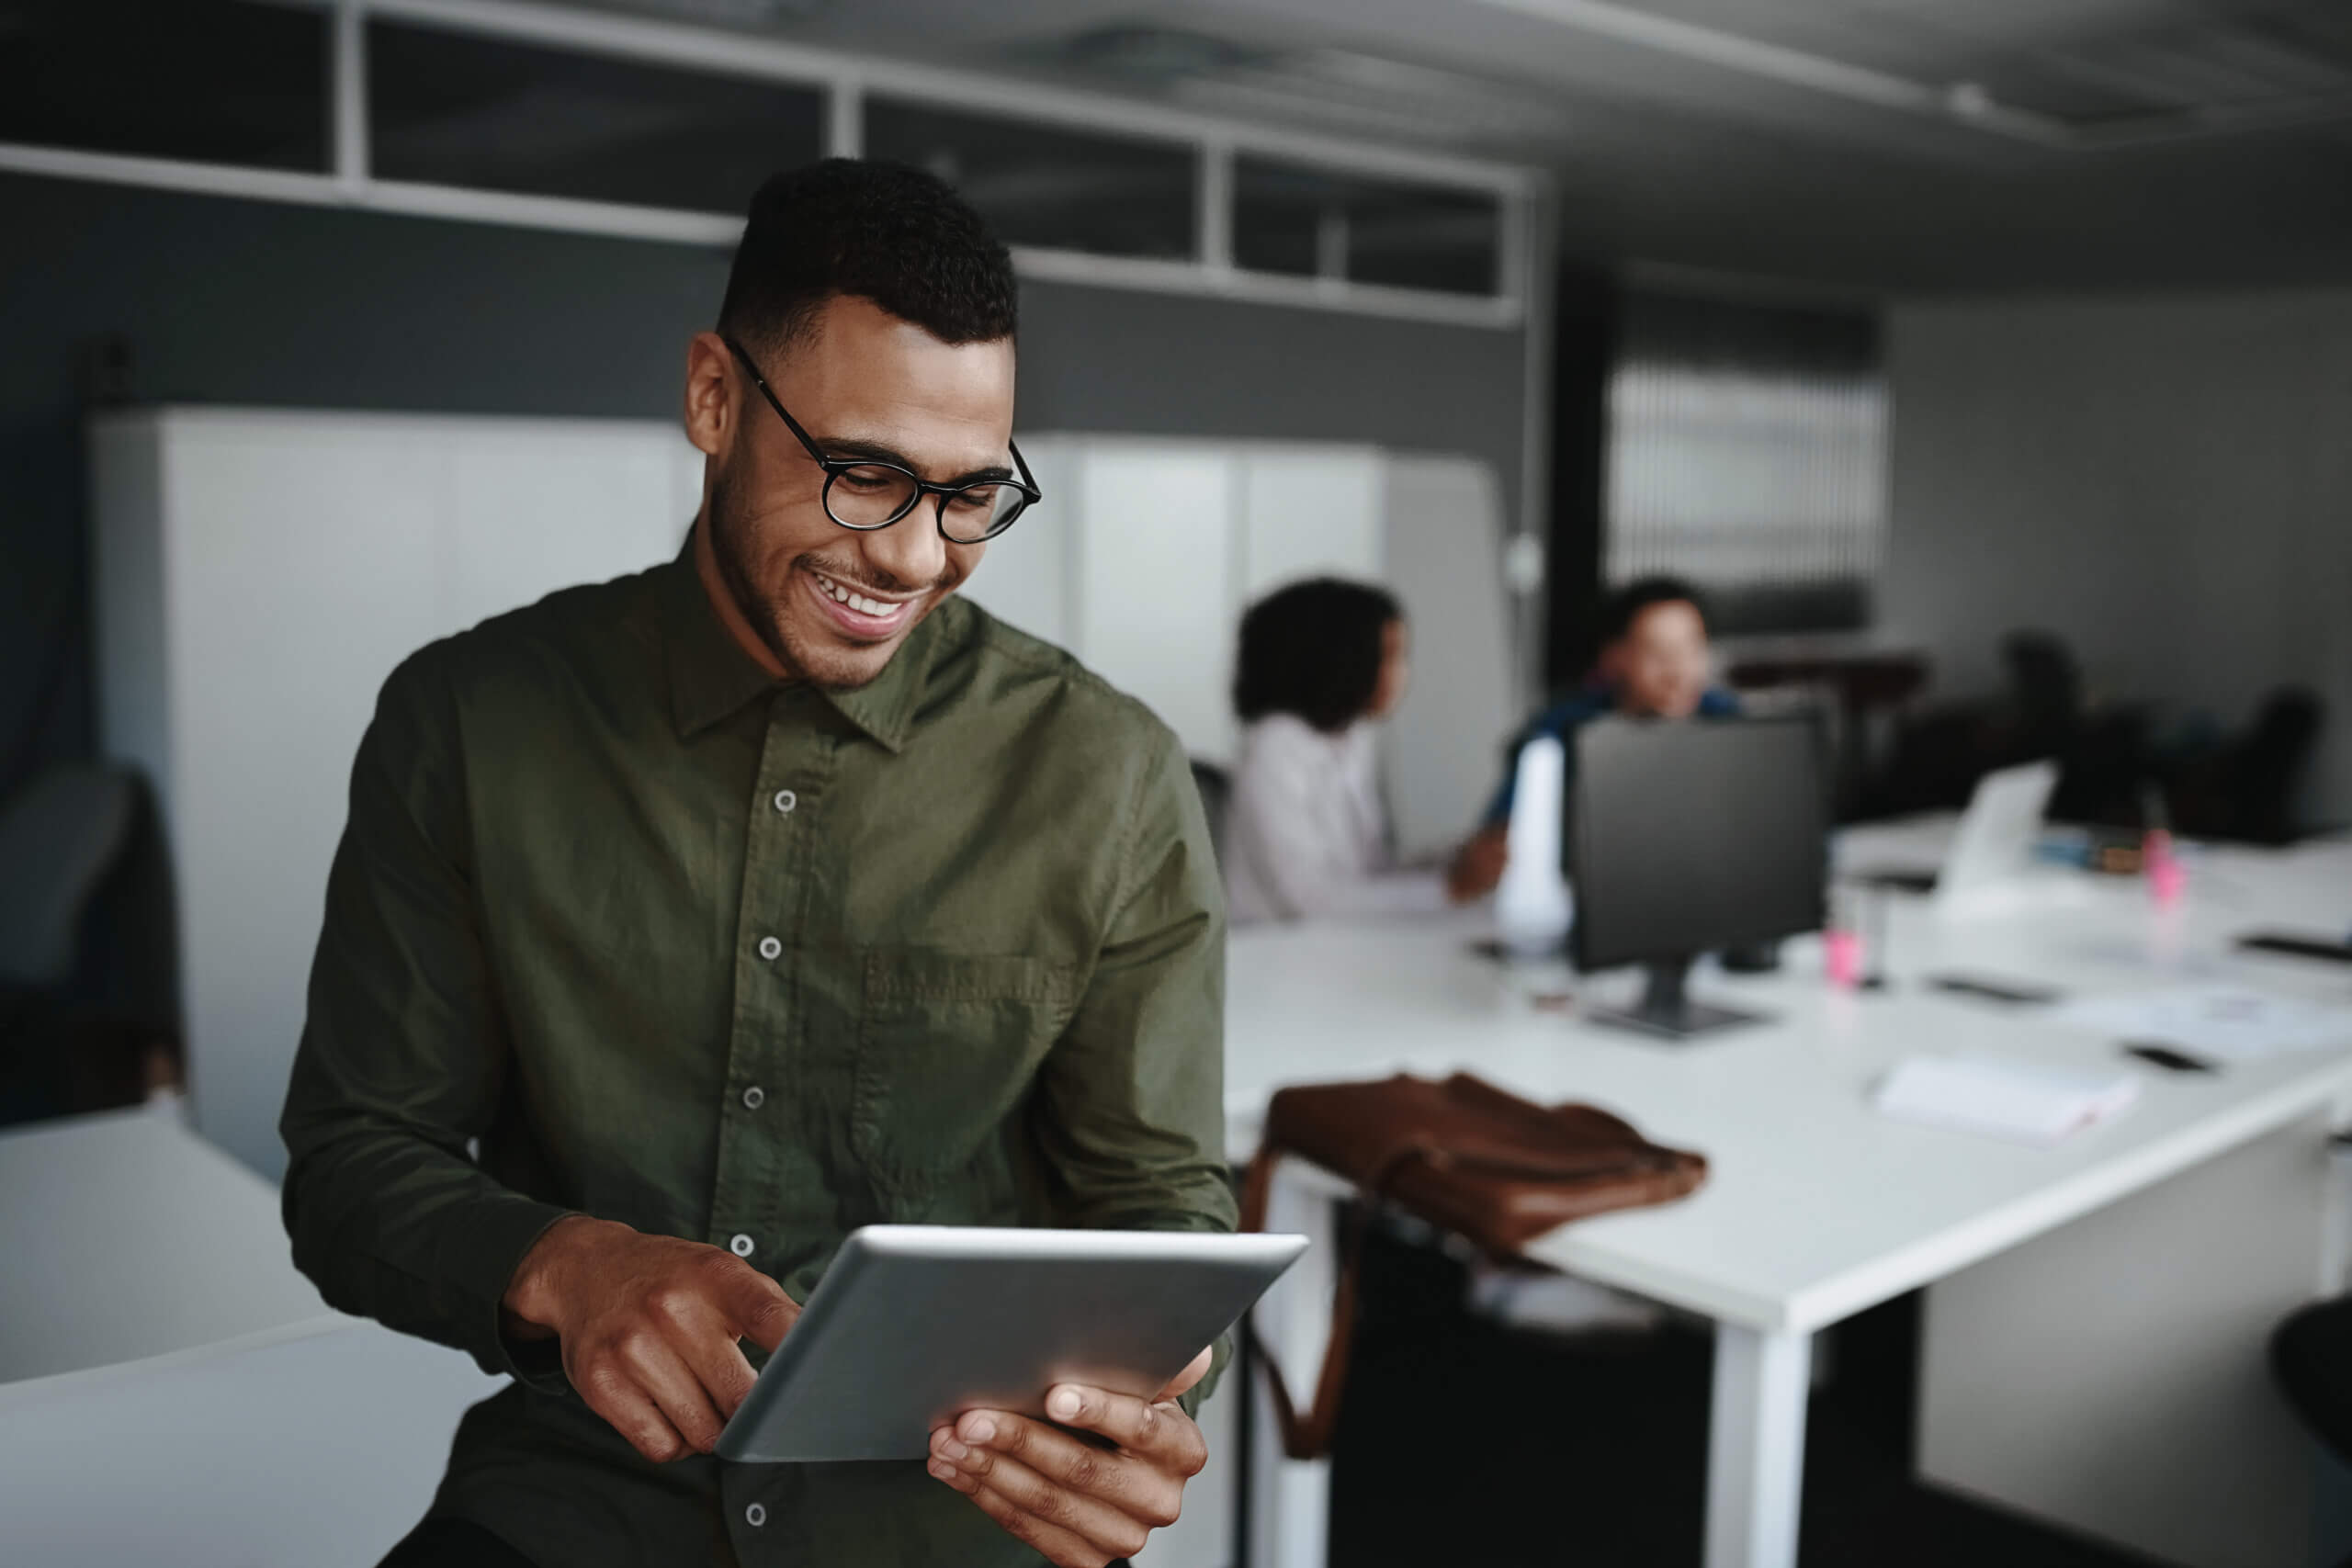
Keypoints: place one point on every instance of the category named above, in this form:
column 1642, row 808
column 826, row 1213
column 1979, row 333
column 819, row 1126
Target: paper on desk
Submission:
column 2026, row 1102
column 2221, row 1024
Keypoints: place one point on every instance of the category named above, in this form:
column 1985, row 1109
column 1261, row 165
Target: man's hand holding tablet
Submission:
column 648, row 1326
column 1079, row 1504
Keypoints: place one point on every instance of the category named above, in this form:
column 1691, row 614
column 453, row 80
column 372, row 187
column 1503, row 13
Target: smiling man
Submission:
column 683, row 923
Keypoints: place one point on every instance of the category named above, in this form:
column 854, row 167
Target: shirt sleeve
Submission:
column 1499, row 804
column 1560, row 721
column 1281, row 827
column 1130, row 1105
column 403, row 1059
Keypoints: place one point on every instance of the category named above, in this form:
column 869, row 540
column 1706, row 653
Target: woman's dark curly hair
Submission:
column 1313, row 649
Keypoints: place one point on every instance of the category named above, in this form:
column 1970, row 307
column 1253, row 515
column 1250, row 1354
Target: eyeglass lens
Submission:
column 873, row 495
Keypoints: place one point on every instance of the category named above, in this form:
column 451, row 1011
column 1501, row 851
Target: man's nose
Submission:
column 909, row 553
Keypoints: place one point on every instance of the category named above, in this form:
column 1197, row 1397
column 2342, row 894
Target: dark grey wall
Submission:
column 2164, row 481
column 1169, row 365
column 254, row 302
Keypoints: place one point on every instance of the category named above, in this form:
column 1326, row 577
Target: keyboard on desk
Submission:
column 1901, row 879
column 2298, row 946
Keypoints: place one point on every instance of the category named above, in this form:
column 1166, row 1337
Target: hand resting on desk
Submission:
column 1080, row 1505
column 648, row 1326
column 1477, row 866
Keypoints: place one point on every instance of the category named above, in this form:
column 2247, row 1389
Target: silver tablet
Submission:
column 913, row 1324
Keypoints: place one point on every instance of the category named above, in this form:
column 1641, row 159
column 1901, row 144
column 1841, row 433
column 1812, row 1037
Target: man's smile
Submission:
column 859, row 616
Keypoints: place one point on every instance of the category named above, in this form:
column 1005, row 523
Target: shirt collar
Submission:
column 885, row 707
column 712, row 677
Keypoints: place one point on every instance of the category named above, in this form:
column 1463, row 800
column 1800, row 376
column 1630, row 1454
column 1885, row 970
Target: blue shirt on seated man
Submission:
column 1655, row 661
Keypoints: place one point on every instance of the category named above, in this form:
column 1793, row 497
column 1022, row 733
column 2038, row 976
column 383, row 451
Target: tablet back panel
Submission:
column 915, row 1324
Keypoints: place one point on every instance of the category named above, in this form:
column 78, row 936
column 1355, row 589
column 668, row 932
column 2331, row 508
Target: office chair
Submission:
column 1215, row 786
column 2266, row 764
column 74, row 1010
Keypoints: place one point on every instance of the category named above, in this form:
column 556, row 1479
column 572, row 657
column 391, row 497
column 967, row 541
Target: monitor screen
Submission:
column 1688, row 836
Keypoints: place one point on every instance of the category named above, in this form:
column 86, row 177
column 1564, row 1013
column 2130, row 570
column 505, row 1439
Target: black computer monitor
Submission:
column 1690, row 836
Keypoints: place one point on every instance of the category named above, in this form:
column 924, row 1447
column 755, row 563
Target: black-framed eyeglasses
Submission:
column 867, row 493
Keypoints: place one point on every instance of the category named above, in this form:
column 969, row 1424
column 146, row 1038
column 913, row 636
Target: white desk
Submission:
column 172, row 1390
column 124, row 1235
column 1818, row 1207
column 316, row 1445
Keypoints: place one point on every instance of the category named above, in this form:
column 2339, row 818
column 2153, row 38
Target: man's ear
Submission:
column 710, row 404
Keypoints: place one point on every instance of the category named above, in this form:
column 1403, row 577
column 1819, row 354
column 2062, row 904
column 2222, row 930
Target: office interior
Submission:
column 1988, row 369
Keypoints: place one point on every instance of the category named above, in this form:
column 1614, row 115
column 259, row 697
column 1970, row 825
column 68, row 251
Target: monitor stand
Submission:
column 1666, row 1010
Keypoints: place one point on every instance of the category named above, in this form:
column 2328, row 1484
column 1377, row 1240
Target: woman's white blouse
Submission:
column 1306, row 833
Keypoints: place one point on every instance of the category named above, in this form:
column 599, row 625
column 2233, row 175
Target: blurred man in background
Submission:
column 1654, row 662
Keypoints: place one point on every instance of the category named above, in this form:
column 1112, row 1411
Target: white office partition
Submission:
column 1442, row 753
column 1025, row 580
column 1309, row 512
column 530, row 509
column 259, row 572
column 1154, row 572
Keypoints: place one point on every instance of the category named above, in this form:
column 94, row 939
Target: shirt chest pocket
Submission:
column 947, row 1046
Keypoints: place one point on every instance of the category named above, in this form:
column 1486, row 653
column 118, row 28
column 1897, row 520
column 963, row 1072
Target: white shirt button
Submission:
column 770, row 948
column 754, row 1096
column 784, row 801
column 755, row 1515
column 741, row 1246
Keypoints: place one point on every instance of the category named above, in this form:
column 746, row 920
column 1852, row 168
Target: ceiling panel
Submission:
column 1697, row 158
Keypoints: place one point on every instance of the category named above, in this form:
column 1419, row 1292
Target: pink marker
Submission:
column 1842, row 956
column 2167, row 879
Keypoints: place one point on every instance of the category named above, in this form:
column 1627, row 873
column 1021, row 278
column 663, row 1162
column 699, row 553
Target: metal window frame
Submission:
column 848, row 81
column 1524, row 195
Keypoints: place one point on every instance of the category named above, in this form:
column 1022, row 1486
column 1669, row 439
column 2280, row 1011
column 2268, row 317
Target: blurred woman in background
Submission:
column 1306, row 835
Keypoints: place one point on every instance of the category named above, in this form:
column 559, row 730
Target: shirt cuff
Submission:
column 493, row 1247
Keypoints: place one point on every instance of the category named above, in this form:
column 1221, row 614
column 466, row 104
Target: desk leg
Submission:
column 1756, row 1447
column 1290, row 1500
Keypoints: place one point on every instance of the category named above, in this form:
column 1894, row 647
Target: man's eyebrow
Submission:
column 876, row 451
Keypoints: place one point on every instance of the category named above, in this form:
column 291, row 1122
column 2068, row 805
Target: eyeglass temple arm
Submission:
column 750, row 368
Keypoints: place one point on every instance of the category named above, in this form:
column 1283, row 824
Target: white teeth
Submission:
column 858, row 602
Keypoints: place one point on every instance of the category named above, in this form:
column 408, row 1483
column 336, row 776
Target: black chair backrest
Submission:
column 1217, row 790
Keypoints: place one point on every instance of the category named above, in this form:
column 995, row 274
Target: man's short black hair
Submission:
column 880, row 232
column 1313, row 649
column 1625, row 606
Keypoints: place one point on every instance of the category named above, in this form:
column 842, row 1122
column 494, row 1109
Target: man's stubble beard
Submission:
column 731, row 546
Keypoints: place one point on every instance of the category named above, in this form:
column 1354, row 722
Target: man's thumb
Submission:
column 763, row 1312
column 1197, row 1369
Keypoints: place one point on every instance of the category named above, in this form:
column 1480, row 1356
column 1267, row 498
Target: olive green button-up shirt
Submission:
column 621, row 926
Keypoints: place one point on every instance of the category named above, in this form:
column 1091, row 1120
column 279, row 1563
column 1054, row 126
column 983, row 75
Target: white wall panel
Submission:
column 1309, row 512
column 299, row 568
column 1025, row 579
column 528, row 505
column 303, row 556
column 1443, row 751
column 1155, row 570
